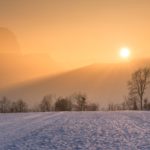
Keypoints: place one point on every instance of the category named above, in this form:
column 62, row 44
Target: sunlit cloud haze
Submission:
column 42, row 38
column 79, row 32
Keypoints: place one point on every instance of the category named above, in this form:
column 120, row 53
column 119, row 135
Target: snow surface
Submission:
column 75, row 131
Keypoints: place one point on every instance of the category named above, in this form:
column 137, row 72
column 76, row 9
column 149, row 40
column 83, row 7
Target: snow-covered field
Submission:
column 75, row 131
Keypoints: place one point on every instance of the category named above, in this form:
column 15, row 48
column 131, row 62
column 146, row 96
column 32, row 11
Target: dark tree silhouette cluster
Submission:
column 7, row 106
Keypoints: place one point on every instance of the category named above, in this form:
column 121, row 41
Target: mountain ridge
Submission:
column 103, row 83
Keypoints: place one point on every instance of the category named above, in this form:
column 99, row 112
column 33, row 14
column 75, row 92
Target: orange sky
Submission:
column 75, row 33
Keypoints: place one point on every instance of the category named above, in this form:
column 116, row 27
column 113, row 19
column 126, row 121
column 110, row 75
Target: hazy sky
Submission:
column 79, row 32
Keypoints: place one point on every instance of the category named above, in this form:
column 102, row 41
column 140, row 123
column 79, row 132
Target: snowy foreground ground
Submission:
column 75, row 131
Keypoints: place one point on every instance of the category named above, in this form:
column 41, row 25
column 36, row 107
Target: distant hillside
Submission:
column 15, row 67
column 103, row 83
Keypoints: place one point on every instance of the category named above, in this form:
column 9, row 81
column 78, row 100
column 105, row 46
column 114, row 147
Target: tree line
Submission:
column 7, row 106
column 75, row 102
column 135, row 100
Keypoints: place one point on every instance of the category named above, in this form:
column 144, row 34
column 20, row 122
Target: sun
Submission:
column 124, row 52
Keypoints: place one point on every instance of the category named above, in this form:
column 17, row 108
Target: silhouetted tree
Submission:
column 46, row 103
column 81, row 101
column 131, row 102
column 63, row 104
column 111, row 107
column 20, row 106
column 139, row 83
column 14, row 107
column 5, row 105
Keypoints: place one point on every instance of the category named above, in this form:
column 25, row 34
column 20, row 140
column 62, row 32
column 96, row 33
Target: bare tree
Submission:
column 81, row 101
column 20, row 106
column 63, row 104
column 5, row 105
column 14, row 107
column 114, row 107
column 131, row 101
column 46, row 103
column 139, row 83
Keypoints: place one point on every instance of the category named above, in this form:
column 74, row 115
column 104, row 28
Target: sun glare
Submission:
column 124, row 53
